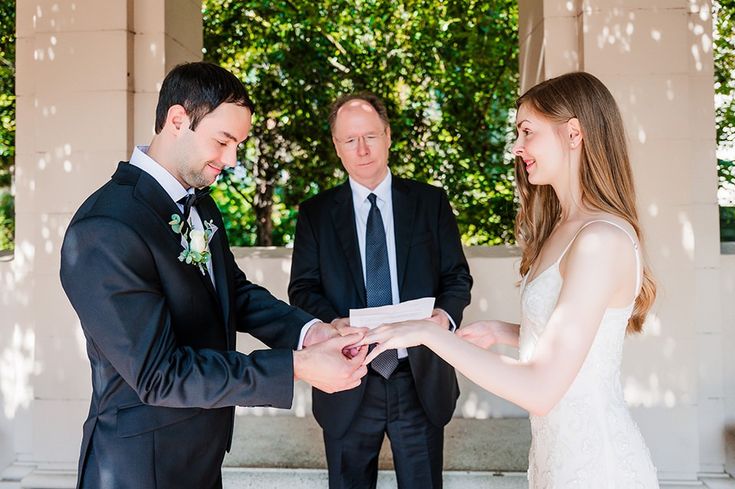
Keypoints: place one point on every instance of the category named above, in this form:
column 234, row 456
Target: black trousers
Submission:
column 389, row 407
column 98, row 475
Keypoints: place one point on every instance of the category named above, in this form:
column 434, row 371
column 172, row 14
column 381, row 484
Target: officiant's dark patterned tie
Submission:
column 377, row 279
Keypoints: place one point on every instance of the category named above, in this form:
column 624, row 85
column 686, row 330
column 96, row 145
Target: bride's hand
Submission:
column 398, row 335
column 481, row 333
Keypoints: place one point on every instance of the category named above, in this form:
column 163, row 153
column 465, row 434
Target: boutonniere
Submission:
column 195, row 241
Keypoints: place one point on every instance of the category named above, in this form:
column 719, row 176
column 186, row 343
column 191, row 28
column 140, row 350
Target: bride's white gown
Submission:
column 588, row 440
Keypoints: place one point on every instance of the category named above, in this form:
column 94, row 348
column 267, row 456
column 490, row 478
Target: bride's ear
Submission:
column 575, row 132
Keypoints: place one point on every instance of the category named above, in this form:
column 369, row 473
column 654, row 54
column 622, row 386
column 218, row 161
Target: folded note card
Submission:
column 373, row 317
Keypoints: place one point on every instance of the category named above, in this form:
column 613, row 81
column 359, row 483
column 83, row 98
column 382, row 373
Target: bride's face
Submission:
column 542, row 147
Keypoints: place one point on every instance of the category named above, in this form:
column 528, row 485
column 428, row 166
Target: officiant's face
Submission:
column 203, row 153
column 362, row 141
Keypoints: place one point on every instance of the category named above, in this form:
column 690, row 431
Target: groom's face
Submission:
column 203, row 153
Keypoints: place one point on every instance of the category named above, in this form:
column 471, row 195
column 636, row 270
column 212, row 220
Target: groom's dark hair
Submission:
column 200, row 88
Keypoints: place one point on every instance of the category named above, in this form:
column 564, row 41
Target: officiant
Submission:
column 376, row 240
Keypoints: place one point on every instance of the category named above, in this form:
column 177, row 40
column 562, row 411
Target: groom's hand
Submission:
column 319, row 332
column 343, row 326
column 324, row 366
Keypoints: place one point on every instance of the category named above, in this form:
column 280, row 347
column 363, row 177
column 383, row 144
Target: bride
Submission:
column 585, row 285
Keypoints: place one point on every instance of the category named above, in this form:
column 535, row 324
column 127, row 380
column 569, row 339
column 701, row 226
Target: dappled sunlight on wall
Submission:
column 657, row 62
column 701, row 27
column 17, row 366
column 74, row 120
column 661, row 386
column 271, row 268
column 17, row 342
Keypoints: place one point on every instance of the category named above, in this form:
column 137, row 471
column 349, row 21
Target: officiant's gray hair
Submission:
column 368, row 97
column 200, row 88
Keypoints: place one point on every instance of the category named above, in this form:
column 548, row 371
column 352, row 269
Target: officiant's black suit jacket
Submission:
column 327, row 281
column 161, row 340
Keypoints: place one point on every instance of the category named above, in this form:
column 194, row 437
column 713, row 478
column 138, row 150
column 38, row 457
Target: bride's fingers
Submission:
column 376, row 351
column 364, row 342
column 374, row 336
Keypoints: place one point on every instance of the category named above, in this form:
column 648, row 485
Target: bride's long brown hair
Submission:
column 606, row 178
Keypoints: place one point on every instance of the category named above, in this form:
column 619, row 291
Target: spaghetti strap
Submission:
column 638, row 274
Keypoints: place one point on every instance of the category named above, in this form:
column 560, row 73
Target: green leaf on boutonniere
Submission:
column 175, row 223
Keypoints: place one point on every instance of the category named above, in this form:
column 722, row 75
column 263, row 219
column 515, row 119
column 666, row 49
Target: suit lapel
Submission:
column 343, row 218
column 148, row 191
column 404, row 207
column 218, row 247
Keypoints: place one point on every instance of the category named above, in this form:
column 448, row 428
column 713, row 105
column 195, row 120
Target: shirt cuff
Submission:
column 305, row 329
column 452, row 326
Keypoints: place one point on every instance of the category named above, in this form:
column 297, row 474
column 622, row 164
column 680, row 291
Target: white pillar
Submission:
column 87, row 79
column 656, row 58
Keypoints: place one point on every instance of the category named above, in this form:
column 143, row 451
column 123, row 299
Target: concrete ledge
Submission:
column 311, row 479
column 727, row 248
column 257, row 478
column 275, row 252
column 489, row 445
column 42, row 479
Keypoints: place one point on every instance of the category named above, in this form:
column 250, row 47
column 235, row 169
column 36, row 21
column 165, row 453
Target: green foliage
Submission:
column 727, row 224
column 447, row 71
column 7, row 222
column 724, row 59
column 7, row 91
column 7, row 121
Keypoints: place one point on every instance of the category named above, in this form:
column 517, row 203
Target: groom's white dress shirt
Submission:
column 176, row 191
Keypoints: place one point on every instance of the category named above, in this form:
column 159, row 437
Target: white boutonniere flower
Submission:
column 195, row 242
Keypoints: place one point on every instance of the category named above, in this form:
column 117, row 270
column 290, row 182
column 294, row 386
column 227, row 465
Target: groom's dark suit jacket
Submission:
column 161, row 340
column 327, row 281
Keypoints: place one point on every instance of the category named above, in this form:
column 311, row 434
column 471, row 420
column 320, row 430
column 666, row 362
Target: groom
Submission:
column 147, row 266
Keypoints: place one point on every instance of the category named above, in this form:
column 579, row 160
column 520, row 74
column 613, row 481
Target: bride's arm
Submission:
column 599, row 264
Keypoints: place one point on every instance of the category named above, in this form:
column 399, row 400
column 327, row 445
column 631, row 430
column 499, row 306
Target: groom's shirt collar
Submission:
column 173, row 188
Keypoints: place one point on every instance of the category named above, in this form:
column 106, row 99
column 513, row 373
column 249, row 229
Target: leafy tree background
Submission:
column 7, row 123
column 448, row 72
column 724, row 54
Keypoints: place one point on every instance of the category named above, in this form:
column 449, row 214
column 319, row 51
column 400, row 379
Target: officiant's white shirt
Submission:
column 384, row 201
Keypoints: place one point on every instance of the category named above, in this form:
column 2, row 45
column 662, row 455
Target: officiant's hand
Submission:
column 343, row 326
column 324, row 366
column 491, row 332
column 440, row 317
column 480, row 333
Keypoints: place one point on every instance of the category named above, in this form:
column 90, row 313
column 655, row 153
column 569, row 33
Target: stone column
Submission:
column 656, row 58
column 87, row 78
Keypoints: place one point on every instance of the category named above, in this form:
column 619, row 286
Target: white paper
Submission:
column 372, row 317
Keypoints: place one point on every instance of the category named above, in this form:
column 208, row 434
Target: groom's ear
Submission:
column 176, row 118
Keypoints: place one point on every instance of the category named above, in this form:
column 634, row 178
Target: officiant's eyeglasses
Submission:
column 371, row 140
